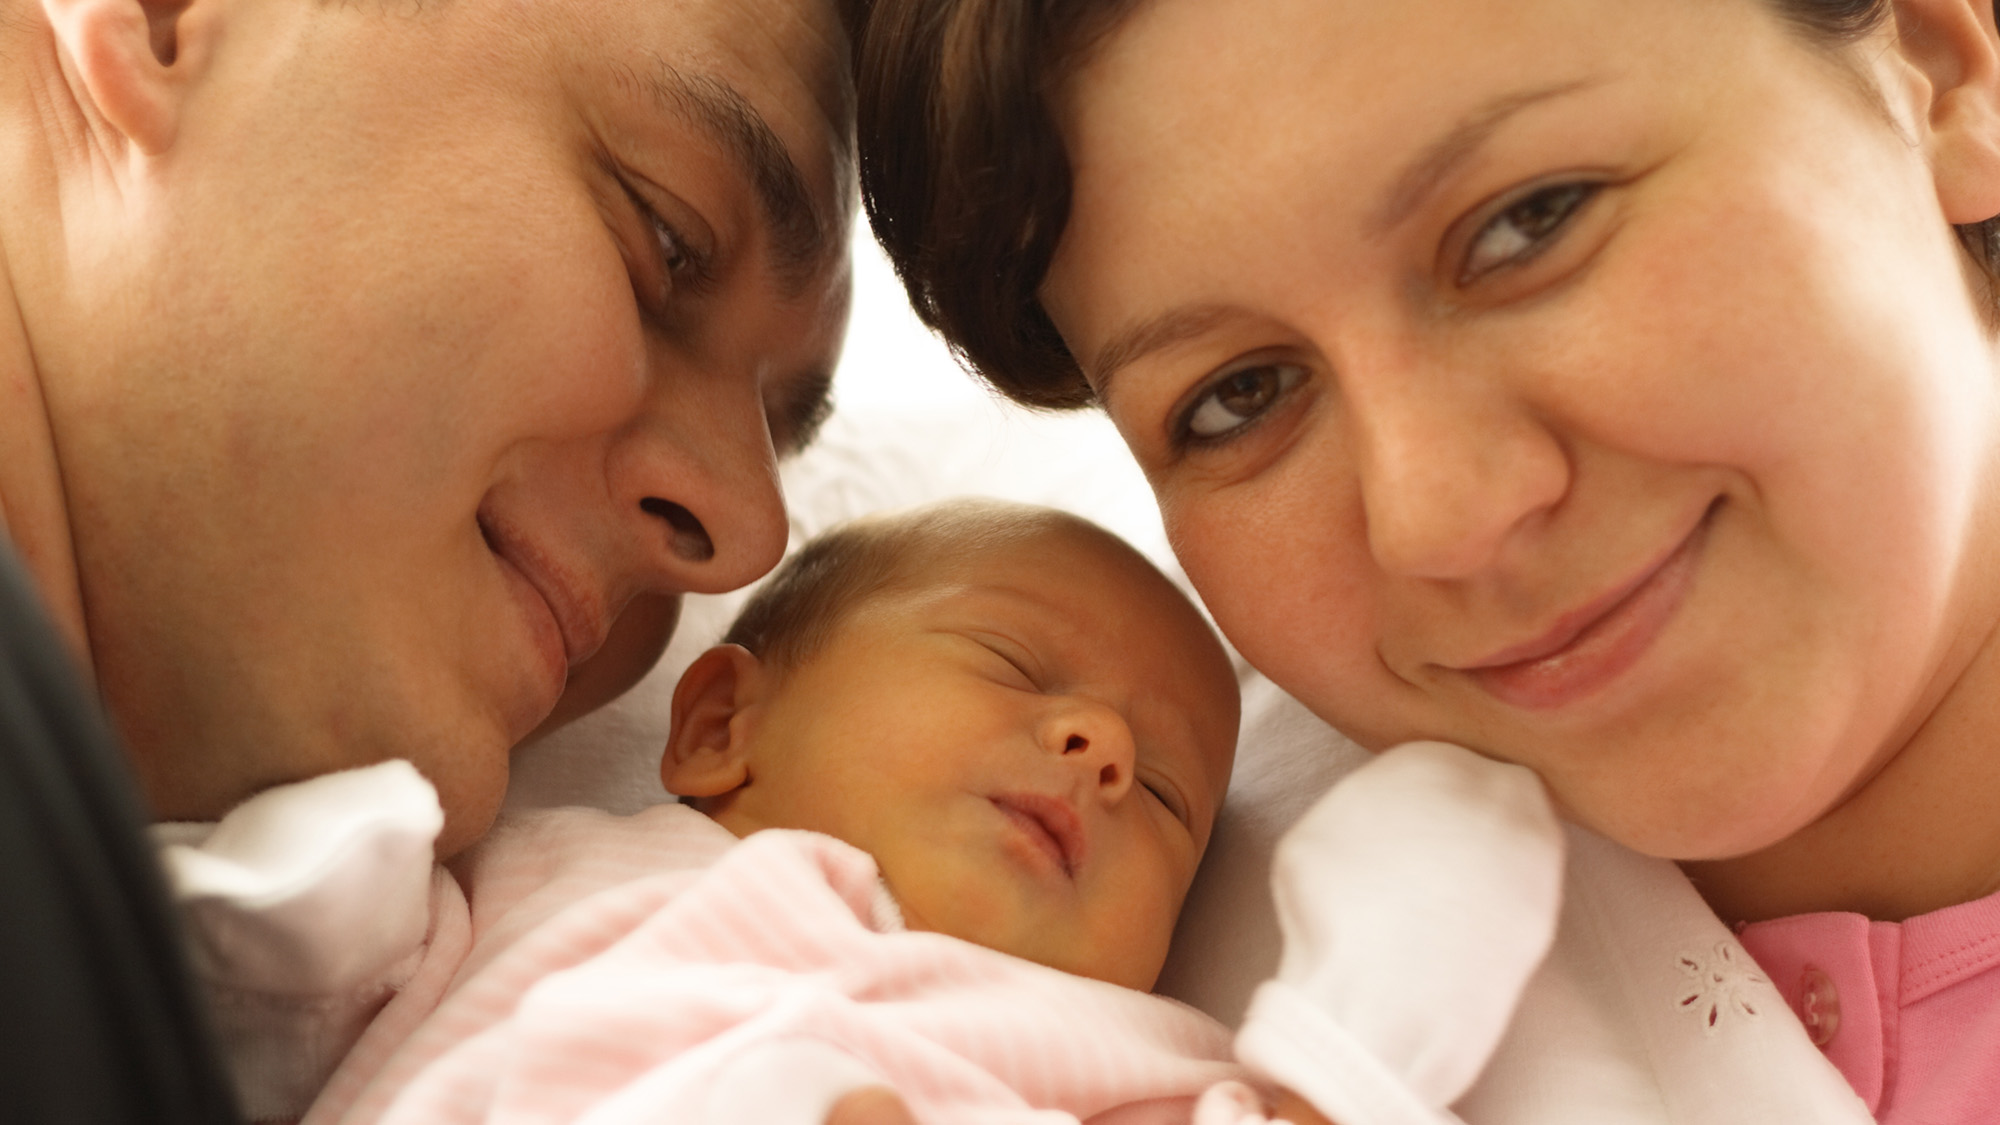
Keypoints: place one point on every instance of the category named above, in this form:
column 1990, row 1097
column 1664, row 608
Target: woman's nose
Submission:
column 1096, row 740
column 696, row 478
column 1449, row 471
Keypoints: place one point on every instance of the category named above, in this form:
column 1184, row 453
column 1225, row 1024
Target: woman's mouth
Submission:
column 1594, row 644
column 1053, row 833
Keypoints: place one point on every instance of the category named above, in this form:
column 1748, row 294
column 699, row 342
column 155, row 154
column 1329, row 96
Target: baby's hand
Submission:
column 876, row 1105
column 1289, row 1107
column 1235, row 1103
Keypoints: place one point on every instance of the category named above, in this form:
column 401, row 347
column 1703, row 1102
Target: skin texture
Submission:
column 1637, row 317
column 361, row 365
column 1059, row 665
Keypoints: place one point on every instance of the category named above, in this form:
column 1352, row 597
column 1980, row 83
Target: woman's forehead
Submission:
column 1392, row 76
column 1345, row 117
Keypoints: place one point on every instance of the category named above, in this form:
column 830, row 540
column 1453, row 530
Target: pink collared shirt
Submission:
column 1909, row 1011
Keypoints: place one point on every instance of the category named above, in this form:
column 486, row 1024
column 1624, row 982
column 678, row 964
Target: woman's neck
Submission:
column 1922, row 834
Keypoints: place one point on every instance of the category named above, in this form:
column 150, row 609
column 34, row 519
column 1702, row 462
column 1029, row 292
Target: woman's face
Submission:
column 1596, row 383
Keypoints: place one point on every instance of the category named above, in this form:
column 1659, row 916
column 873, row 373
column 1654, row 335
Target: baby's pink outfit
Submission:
column 653, row 967
column 1909, row 1011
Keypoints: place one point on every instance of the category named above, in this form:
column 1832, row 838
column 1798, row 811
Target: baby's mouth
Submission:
column 1051, row 825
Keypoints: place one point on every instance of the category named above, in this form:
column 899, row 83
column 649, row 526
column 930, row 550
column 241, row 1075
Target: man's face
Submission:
column 440, row 334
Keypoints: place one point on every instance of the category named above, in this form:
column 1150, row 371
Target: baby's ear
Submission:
column 708, row 754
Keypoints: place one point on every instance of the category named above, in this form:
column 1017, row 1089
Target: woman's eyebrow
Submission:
column 1153, row 334
column 1422, row 176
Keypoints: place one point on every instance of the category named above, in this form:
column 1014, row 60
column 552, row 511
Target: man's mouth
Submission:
column 581, row 628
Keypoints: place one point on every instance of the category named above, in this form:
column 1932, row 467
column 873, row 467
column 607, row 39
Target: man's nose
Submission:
column 1095, row 739
column 1450, row 468
column 695, row 479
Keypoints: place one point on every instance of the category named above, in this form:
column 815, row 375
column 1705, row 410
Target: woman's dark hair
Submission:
column 968, row 188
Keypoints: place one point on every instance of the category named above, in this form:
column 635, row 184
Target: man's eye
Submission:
column 1237, row 399
column 674, row 254
column 1521, row 231
column 670, row 264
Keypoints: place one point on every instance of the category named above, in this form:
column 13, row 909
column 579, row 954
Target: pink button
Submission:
column 1819, row 1006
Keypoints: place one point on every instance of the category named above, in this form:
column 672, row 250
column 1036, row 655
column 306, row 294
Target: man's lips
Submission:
column 1050, row 826
column 581, row 630
column 1593, row 644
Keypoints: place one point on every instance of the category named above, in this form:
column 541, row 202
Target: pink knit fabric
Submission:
column 617, row 965
column 1909, row 1012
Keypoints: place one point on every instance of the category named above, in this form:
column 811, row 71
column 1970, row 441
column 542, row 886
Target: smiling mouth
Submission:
column 581, row 632
column 1049, row 826
column 1594, row 644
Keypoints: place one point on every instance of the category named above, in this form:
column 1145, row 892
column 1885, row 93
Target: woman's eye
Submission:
column 1521, row 231
column 1239, row 398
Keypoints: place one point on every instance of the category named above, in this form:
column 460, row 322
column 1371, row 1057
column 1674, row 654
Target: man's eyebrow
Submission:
column 1422, row 176
column 802, row 238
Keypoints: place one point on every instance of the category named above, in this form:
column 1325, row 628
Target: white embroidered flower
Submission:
column 1723, row 983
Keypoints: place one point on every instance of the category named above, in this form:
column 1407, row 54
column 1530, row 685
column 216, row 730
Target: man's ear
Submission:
column 136, row 60
column 1954, row 45
column 708, row 753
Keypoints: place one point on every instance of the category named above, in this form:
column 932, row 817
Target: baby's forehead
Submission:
column 1079, row 589
column 1052, row 553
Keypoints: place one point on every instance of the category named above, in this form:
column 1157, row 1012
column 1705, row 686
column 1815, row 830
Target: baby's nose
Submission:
column 1097, row 738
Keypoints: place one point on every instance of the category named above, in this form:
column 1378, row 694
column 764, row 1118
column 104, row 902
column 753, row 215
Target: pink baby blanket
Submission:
column 653, row 968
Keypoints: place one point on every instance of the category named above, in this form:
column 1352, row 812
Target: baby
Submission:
column 1025, row 725
column 947, row 782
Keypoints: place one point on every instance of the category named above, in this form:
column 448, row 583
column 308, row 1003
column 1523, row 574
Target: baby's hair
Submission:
column 799, row 605
column 804, row 601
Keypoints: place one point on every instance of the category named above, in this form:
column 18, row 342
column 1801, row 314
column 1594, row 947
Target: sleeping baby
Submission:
column 945, row 785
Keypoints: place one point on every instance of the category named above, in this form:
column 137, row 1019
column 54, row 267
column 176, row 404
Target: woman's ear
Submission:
column 1954, row 45
column 136, row 60
column 708, row 751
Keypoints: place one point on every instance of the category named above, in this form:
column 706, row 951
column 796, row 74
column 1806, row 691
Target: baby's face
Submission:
column 1031, row 743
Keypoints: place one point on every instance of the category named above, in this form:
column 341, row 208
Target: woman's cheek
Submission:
column 1285, row 587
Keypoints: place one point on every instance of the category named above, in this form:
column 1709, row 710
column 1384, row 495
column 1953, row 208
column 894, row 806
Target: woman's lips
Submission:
column 1594, row 644
column 1050, row 827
